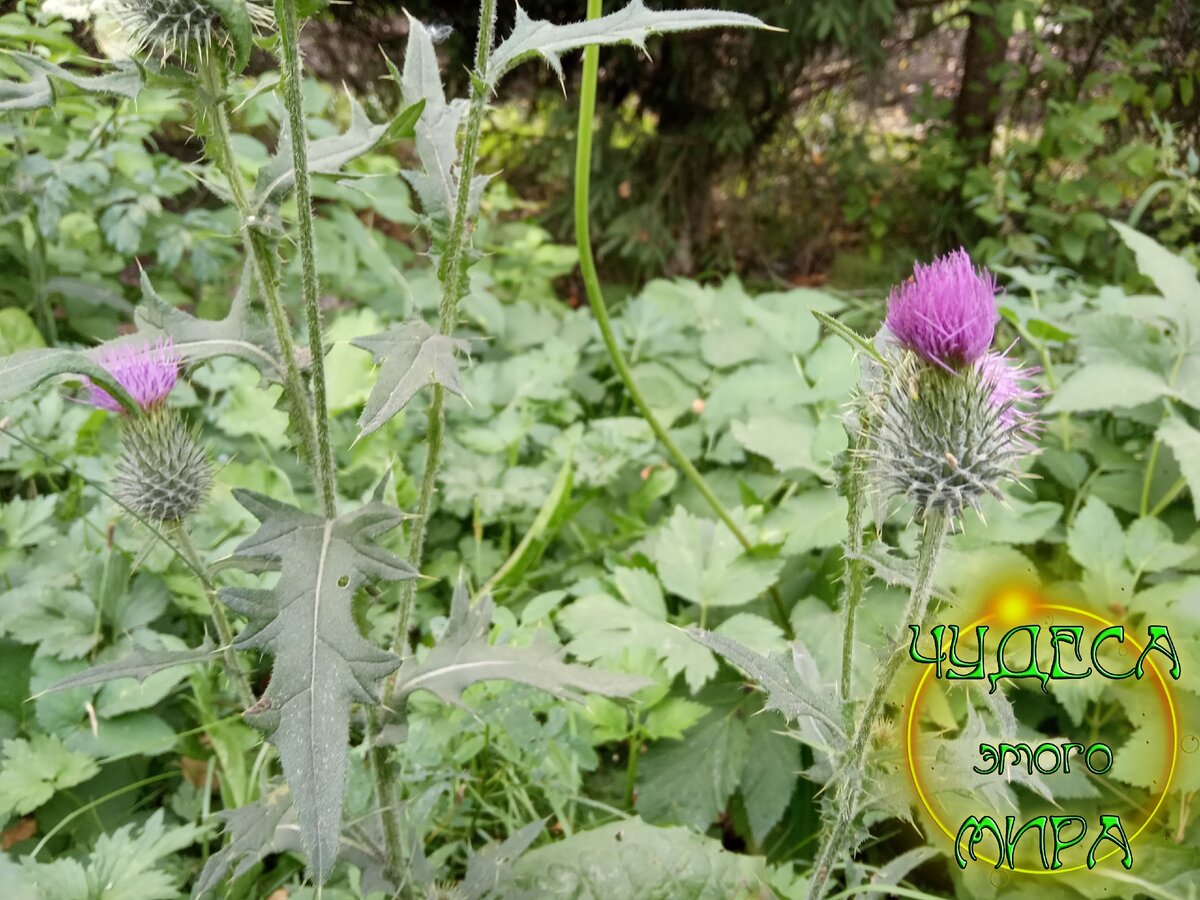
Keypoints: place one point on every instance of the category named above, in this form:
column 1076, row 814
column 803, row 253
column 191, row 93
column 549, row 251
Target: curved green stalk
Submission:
column 591, row 284
column 851, row 770
column 289, row 59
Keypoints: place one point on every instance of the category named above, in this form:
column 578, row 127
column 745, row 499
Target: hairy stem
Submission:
column 852, row 769
column 219, row 144
column 591, row 284
column 289, row 58
column 233, row 668
column 854, row 575
column 452, row 275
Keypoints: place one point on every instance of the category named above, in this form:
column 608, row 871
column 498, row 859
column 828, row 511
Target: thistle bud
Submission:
column 179, row 28
column 163, row 473
column 949, row 420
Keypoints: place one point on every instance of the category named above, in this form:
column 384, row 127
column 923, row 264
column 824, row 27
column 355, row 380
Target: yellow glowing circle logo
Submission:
column 1011, row 607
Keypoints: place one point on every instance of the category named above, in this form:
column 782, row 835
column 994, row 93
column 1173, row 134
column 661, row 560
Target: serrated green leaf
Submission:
column 464, row 657
column 34, row 769
column 412, row 356
column 604, row 628
column 1108, row 385
column 322, row 663
column 1150, row 547
column 769, row 777
column 1184, row 441
column 701, row 561
column 17, row 332
column 689, row 782
column 631, row 25
column 1173, row 275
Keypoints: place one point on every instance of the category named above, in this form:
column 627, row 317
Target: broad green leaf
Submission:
column 672, row 717
column 1095, row 538
column 38, row 92
column 630, row 860
column 241, row 334
column 769, row 777
column 325, row 156
column 1108, row 385
column 411, row 355
column 787, row 443
column 701, row 561
column 758, row 634
column 322, row 663
column 1173, row 275
column 132, row 734
column 464, row 656
column 1150, row 547
column 32, row 770
column 631, row 25
column 689, row 782
column 138, row 665
column 17, row 332
column 1184, row 441
column 796, row 694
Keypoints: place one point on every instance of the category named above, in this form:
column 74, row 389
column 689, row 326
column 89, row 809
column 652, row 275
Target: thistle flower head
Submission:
column 163, row 473
column 944, row 440
column 946, row 312
column 147, row 371
column 167, row 28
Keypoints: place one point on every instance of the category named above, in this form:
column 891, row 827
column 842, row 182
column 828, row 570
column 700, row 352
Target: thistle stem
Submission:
column 852, row 769
column 233, row 669
column 855, row 569
column 266, row 264
column 452, row 275
column 289, row 58
column 591, row 284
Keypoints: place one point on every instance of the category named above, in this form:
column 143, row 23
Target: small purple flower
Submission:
column 1009, row 389
column 946, row 312
column 147, row 371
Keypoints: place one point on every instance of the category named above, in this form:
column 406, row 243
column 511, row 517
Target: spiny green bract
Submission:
column 939, row 440
column 168, row 28
column 163, row 473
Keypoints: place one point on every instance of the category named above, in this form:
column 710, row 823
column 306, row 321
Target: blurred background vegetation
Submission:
column 871, row 132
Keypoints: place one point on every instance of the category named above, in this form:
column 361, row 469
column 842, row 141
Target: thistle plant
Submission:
column 330, row 686
column 943, row 422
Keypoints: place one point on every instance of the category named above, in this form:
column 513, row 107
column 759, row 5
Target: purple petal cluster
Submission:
column 1010, row 391
column 147, row 371
column 946, row 312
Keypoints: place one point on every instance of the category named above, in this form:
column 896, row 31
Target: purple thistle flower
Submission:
column 1010, row 391
column 147, row 371
column 946, row 312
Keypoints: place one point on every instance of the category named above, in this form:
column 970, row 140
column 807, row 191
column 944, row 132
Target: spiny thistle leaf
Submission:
column 437, row 129
column 139, row 664
column 22, row 372
column 631, row 25
column 251, row 832
column 412, row 356
column 322, row 663
column 325, row 156
column 38, row 92
column 788, row 690
column 464, row 656
column 241, row 333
